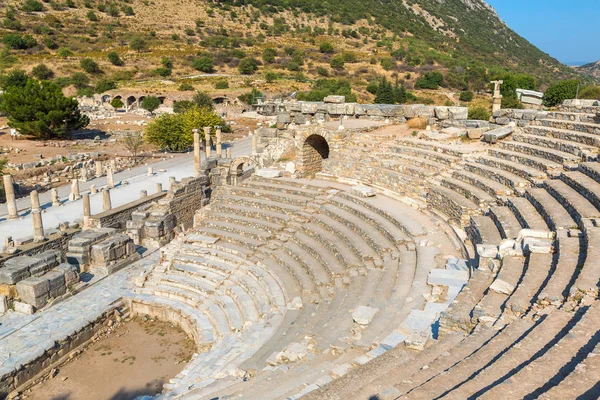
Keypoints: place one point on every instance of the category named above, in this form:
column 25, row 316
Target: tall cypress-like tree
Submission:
column 385, row 93
column 40, row 109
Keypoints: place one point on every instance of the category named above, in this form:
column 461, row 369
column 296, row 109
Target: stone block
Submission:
column 336, row 109
column 69, row 272
column 363, row 315
column 487, row 250
column 497, row 134
column 33, row 287
column 300, row 119
column 350, row 108
column 10, row 275
column 55, row 280
column 363, row 191
column 3, row 304
column 23, row 308
column 500, row 286
column 475, row 133
column 307, row 107
column 456, row 132
column 284, row 118
column 537, row 246
column 268, row 173
column 335, row 99
column 532, row 233
column 458, row 113
column 502, row 121
column 441, row 113
column 114, row 248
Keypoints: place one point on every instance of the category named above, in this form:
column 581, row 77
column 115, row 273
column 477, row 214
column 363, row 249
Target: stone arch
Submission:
column 139, row 101
column 314, row 150
column 131, row 101
column 240, row 169
column 162, row 99
column 106, row 98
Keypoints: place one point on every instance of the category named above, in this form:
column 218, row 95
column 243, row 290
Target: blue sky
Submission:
column 567, row 30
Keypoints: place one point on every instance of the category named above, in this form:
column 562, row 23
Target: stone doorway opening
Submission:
column 314, row 150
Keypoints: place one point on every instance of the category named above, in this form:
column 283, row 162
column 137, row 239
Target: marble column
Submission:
column 159, row 188
column 106, row 203
column 75, row 190
column 87, row 210
column 110, row 179
column 196, row 152
column 11, row 202
column 207, row 141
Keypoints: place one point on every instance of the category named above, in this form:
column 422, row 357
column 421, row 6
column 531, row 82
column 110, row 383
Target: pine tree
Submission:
column 385, row 93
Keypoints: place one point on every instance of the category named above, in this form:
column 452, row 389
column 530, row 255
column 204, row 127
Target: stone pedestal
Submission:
column 93, row 189
column 38, row 226
column 207, row 141
column 98, row 169
column 110, row 180
column 11, row 202
column 228, row 152
column 150, row 171
column 172, row 182
column 87, row 210
column 106, row 203
column 55, row 198
column 159, row 188
column 74, row 190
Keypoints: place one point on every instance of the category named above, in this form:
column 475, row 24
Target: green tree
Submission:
column 104, row 85
column 79, row 80
column 590, row 92
column 385, row 93
column 17, row 78
column 247, row 66
column 90, row 66
column 251, row 97
column 326, row 48
column 114, row 59
column 560, row 91
column 18, row 42
column 466, row 96
column 269, row 55
column 174, row 131
column 204, row 64
column 41, row 110
column 116, row 103
column 201, row 99
column 430, row 80
column 42, row 72
column 138, row 44
column 480, row 113
column 182, row 106
column 150, row 103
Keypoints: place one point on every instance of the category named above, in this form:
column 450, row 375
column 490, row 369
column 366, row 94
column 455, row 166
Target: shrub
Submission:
column 104, row 85
column 480, row 113
column 186, row 87
column 32, row 6
column 201, row 99
column 17, row 78
column 269, row 55
column 388, row 63
column 325, row 87
column 430, row 80
column 247, row 66
column 41, row 110
column 163, row 71
column 79, row 80
column 113, row 10
column 150, row 103
column 204, row 64
column 64, row 52
column 92, row 16
column 42, row 72
column 222, row 84
column 250, row 97
column 322, row 71
column 128, row 10
column 467, row 95
column 138, row 44
column 326, row 48
column 90, row 66
column 590, row 92
column 337, row 62
column 114, row 59
column 418, row 123
column 116, row 103
column 182, row 106
column 19, row 42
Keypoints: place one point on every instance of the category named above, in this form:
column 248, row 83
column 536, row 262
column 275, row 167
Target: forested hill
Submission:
column 112, row 41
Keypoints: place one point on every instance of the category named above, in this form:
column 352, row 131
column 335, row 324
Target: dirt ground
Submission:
column 136, row 359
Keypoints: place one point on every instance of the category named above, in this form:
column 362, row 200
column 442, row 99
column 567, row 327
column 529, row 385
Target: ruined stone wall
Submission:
column 118, row 217
column 186, row 198
column 520, row 117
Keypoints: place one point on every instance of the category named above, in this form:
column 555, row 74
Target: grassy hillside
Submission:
column 159, row 42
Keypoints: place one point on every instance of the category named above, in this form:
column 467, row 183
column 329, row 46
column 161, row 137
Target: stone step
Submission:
column 431, row 155
column 239, row 228
column 321, row 252
column 555, row 215
column 484, row 230
column 449, row 149
column 291, row 183
column 501, row 176
column 581, row 383
column 274, row 195
column 317, row 270
column 283, row 186
column 343, row 252
column 250, row 212
column 237, row 239
column 537, row 271
column 565, row 269
column 499, row 356
column 210, row 276
column 507, row 280
column 566, row 146
column 584, row 185
column 557, row 116
column 586, row 123
column 295, row 268
column 526, row 160
column 402, row 167
column 551, row 366
column 591, row 169
column 589, row 139
column 289, row 283
column 526, row 213
column 577, row 205
column 470, row 192
column 588, row 280
column 452, row 204
column 492, row 187
column 507, row 223
column 250, row 222
column 551, row 154
column 261, row 204
column 534, row 175
column 414, row 161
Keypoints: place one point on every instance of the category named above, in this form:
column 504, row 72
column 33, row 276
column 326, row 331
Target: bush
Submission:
column 325, row 87
column 150, row 103
column 90, row 66
column 248, row 66
column 204, row 64
column 337, row 62
column 114, row 59
column 138, row 44
column 250, row 97
column 19, row 42
column 388, row 63
column 590, row 92
column 467, row 95
column 163, row 71
column 201, row 99
column 326, row 48
column 480, row 113
column 322, row 71
column 64, row 52
column 430, row 80
column 104, row 85
column 186, row 87
column 92, row 16
column 41, row 110
column 42, row 72
column 222, row 84
column 79, row 80
column 116, row 103
column 17, row 78
column 32, row 6
column 174, row 131
column 128, row 10
column 183, row 105
column 269, row 55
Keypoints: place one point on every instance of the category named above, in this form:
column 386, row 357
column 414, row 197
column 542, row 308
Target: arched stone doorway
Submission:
column 240, row 169
column 314, row 150
column 131, row 102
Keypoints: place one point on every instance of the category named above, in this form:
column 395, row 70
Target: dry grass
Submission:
column 417, row 123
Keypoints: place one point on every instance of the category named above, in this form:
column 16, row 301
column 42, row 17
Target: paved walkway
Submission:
column 179, row 166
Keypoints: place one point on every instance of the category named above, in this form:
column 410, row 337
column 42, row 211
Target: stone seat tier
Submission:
column 469, row 191
column 568, row 116
column 493, row 304
column 501, row 176
column 449, row 149
column 282, row 186
column 526, row 159
column 581, row 383
column 434, row 156
column 319, row 251
column 548, row 153
column 256, row 203
column 484, row 230
column 589, row 126
column 237, row 228
column 371, row 234
column 313, row 266
column 274, row 195
column 234, row 238
column 452, row 204
column 526, row 214
column 555, row 215
column 577, row 205
column 537, row 272
column 591, row 169
column 507, row 223
column 342, row 251
column 295, row 268
column 565, row 270
column 588, row 139
column 291, row 182
column 517, row 344
column 588, row 281
column 251, row 212
column 567, row 146
column 584, row 185
column 251, row 222
column 386, row 226
column 407, row 169
column 491, row 186
column 360, row 247
column 534, row 175
column 541, row 372
column 414, row 161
